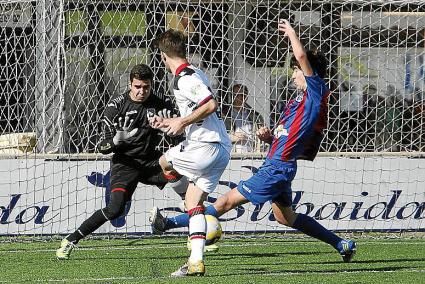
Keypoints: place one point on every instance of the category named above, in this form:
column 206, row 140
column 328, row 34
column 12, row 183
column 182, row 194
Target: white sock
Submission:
column 197, row 224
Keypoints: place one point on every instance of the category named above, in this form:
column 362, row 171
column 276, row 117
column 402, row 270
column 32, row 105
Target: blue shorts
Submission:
column 272, row 182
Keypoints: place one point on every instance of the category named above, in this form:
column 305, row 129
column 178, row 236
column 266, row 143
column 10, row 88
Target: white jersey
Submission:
column 192, row 89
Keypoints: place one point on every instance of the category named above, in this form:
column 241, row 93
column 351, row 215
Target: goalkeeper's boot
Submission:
column 65, row 250
column 347, row 249
column 190, row 269
column 207, row 248
column 157, row 221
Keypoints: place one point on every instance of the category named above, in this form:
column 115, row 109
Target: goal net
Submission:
column 61, row 61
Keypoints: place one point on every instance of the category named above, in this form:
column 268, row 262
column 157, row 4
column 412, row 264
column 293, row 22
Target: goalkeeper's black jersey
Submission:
column 143, row 143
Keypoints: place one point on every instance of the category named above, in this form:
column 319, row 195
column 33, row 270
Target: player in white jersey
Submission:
column 205, row 153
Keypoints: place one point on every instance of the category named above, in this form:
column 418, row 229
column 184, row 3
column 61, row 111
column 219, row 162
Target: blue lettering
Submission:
column 391, row 203
column 272, row 217
column 308, row 208
column 257, row 210
column 5, row 211
column 20, row 218
column 41, row 213
column 388, row 206
column 419, row 211
column 357, row 207
column 368, row 213
column 296, row 199
column 401, row 210
column 338, row 211
column 318, row 215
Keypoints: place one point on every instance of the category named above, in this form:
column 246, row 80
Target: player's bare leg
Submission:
column 228, row 201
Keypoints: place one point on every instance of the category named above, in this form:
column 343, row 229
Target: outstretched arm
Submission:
column 115, row 131
column 297, row 47
column 176, row 125
column 106, row 145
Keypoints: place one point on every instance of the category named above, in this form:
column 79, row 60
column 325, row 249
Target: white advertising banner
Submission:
column 41, row 196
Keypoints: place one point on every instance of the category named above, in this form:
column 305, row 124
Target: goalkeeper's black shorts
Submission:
column 127, row 172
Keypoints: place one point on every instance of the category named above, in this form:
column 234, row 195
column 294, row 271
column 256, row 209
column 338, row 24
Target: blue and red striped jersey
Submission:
column 300, row 128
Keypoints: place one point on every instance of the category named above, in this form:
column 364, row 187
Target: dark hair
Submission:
column 317, row 61
column 141, row 72
column 172, row 43
column 240, row 86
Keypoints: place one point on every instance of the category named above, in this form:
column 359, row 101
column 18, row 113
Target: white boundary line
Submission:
column 265, row 274
column 162, row 246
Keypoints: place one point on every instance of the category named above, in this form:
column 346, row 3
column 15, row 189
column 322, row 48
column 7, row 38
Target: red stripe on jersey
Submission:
column 204, row 101
column 119, row 189
column 294, row 130
column 322, row 120
column 274, row 148
column 181, row 67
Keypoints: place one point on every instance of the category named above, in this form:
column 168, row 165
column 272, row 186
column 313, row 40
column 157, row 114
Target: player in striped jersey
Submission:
column 297, row 136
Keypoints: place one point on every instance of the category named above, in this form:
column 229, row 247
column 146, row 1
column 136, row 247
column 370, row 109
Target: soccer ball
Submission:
column 214, row 230
column 213, row 235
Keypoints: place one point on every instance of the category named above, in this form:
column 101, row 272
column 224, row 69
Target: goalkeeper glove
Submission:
column 123, row 131
column 165, row 113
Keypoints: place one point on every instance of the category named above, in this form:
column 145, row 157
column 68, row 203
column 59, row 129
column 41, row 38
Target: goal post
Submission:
column 61, row 61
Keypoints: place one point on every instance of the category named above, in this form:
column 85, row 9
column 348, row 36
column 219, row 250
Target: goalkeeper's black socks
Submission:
column 114, row 208
column 87, row 227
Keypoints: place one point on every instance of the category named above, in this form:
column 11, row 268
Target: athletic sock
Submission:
column 197, row 232
column 118, row 199
column 88, row 226
column 311, row 227
column 182, row 220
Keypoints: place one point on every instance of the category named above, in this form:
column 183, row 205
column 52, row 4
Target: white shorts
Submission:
column 202, row 163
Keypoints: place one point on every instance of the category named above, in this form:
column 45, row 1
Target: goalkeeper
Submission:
column 297, row 136
column 127, row 134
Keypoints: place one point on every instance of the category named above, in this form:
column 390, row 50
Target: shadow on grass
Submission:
column 261, row 254
column 369, row 261
column 262, row 271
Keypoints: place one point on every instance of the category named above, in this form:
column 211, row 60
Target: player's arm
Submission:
column 175, row 125
column 168, row 110
column 106, row 145
column 197, row 92
column 297, row 47
column 115, row 133
column 208, row 106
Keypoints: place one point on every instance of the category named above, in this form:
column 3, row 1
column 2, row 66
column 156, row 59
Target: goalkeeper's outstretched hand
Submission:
column 123, row 131
column 166, row 113
column 160, row 121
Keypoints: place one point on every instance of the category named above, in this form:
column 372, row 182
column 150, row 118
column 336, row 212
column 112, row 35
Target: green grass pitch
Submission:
column 253, row 260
